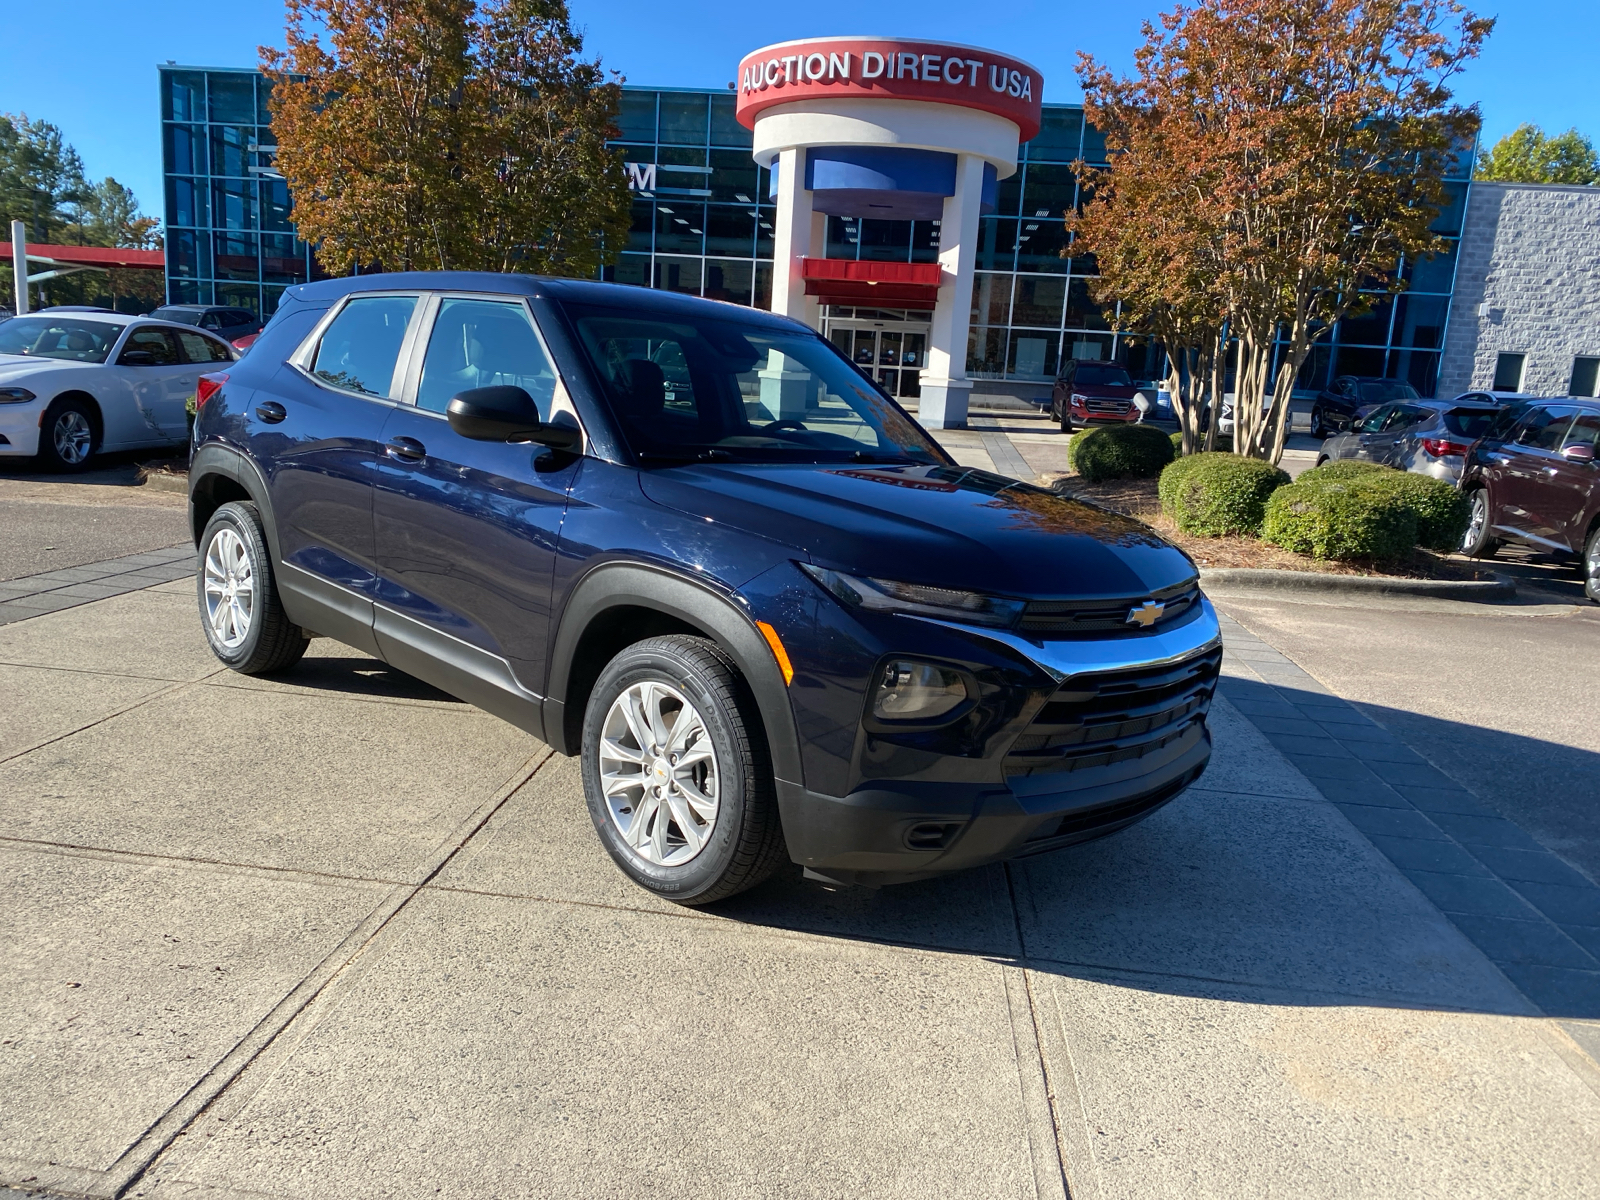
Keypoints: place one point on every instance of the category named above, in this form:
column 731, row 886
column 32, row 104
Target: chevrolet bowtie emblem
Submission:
column 1147, row 614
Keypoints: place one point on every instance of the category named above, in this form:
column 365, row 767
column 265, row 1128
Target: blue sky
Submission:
column 91, row 67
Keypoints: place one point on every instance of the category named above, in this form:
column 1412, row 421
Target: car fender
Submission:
column 220, row 459
column 717, row 613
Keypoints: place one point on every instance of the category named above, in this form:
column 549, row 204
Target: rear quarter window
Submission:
column 1468, row 422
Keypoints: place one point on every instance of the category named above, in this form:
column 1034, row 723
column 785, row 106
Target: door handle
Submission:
column 271, row 411
column 408, row 449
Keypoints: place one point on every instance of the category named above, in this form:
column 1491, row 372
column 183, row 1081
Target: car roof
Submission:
column 579, row 291
column 81, row 315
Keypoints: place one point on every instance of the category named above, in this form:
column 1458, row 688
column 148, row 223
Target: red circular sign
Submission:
column 890, row 69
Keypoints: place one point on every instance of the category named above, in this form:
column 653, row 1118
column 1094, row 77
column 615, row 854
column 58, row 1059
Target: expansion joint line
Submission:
column 133, row 1164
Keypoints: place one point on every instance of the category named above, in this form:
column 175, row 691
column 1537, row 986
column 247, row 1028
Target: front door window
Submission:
column 484, row 343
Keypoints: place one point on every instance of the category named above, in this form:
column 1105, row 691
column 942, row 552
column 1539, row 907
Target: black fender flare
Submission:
column 219, row 458
column 697, row 603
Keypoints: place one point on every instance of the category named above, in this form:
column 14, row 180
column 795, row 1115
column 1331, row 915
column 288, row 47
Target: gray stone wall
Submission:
column 1527, row 282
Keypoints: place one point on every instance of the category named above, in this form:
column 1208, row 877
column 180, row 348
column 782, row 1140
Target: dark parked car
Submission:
column 225, row 320
column 1431, row 437
column 1337, row 404
column 773, row 617
column 1533, row 478
column 1091, row 390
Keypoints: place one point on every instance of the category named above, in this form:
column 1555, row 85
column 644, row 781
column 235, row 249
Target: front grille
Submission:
column 1099, row 615
column 1116, row 716
column 1114, row 408
column 1105, row 817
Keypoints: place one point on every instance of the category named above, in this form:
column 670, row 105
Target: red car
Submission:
column 1090, row 390
column 1534, row 478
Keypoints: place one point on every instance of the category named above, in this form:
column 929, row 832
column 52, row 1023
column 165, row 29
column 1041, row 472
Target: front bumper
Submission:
column 896, row 830
column 19, row 427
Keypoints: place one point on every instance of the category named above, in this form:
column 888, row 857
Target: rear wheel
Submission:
column 1591, row 566
column 1319, row 426
column 676, row 772
column 68, row 436
column 240, row 611
column 1477, row 542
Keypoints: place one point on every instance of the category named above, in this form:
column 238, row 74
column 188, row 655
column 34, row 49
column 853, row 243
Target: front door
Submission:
column 891, row 354
column 467, row 530
column 1532, row 459
column 161, row 382
column 1559, row 493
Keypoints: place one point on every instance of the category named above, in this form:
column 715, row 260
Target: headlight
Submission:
column 1080, row 401
column 917, row 691
column 15, row 395
column 886, row 595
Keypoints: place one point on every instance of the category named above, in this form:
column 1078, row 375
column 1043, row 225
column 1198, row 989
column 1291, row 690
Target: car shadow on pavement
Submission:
column 358, row 675
column 1255, row 886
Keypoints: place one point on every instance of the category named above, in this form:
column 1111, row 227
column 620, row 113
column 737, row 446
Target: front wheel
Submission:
column 1477, row 541
column 67, row 438
column 1591, row 566
column 1064, row 415
column 677, row 774
column 240, row 611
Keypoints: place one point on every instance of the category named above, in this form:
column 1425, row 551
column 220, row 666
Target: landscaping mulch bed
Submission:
column 1137, row 498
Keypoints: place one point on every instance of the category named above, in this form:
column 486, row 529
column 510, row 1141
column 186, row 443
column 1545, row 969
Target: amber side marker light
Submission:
column 778, row 652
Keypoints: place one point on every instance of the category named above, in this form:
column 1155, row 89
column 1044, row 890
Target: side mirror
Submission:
column 506, row 414
column 1578, row 452
column 137, row 358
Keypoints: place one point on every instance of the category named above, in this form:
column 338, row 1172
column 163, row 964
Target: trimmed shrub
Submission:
column 1341, row 519
column 1119, row 452
column 1442, row 512
column 1177, row 442
column 1210, row 495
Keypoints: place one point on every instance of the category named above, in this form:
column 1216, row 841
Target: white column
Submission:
column 19, row 264
column 798, row 232
column 945, row 386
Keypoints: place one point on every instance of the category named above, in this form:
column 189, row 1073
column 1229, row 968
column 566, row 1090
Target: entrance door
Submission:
column 893, row 354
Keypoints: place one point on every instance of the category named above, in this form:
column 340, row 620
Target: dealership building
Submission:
column 872, row 254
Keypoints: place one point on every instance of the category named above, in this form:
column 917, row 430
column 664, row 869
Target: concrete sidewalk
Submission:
column 337, row 934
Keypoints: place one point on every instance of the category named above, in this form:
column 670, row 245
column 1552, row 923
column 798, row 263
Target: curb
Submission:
column 1499, row 588
column 165, row 481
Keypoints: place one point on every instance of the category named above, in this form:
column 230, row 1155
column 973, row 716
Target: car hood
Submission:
column 1104, row 391
column 941, row 525
column 13, row 366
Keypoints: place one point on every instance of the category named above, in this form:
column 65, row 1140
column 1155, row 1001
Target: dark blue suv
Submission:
column 693, row 544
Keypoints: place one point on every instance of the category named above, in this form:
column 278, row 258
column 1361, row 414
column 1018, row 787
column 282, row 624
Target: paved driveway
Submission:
column 336, row 934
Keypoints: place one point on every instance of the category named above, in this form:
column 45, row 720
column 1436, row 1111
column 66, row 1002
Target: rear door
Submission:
column 1530, row 467
column 1369, row 437
column 1401, row 430
column 315, row 433
column 467, row 530
column 1562, row 492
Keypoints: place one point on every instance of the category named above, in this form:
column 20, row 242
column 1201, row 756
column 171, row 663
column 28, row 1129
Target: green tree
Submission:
column 447, row 134
column 1527, row 155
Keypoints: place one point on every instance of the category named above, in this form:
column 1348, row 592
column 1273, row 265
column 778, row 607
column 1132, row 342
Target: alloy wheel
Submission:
column 229, row 588
column 1591, row 566
column 658, row 771
column 1476, row 522
column 72, row 437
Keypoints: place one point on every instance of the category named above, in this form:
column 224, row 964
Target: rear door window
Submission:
column 359, row 349
column 1468, row 422
column 1585, row 431
column 198, row 348
column 1544, row 428
column 1374, row 422
column 484, row 343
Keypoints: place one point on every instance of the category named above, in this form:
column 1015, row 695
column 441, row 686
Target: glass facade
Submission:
column 703, row 221
column 229, row 236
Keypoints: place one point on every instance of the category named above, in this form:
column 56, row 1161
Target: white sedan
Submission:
column 74, row 384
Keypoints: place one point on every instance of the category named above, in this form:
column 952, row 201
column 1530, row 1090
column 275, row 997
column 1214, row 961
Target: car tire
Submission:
column 1323, row 460
column 1319, row 428
column 1065, row 418
column 1477, row 542
column 701, row 823
column 1591, row 566
column 69, row 436
column 255, row 636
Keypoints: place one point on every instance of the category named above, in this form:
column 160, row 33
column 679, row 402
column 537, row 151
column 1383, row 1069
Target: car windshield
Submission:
column 58, row 337
column 1102, row 375
column 719, row 389
column 1377, row 391
column 1469, row 422
column 187, row 316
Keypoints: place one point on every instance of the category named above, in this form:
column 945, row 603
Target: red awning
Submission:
column 90, row 256
column 871, row 284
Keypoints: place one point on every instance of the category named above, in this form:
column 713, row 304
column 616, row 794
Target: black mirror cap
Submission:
column 505, row 413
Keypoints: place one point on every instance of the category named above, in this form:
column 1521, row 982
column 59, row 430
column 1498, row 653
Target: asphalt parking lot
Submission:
column 338, row 934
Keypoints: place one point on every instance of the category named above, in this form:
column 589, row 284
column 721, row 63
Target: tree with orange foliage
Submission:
column 1272, row 160
column 447, row 135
